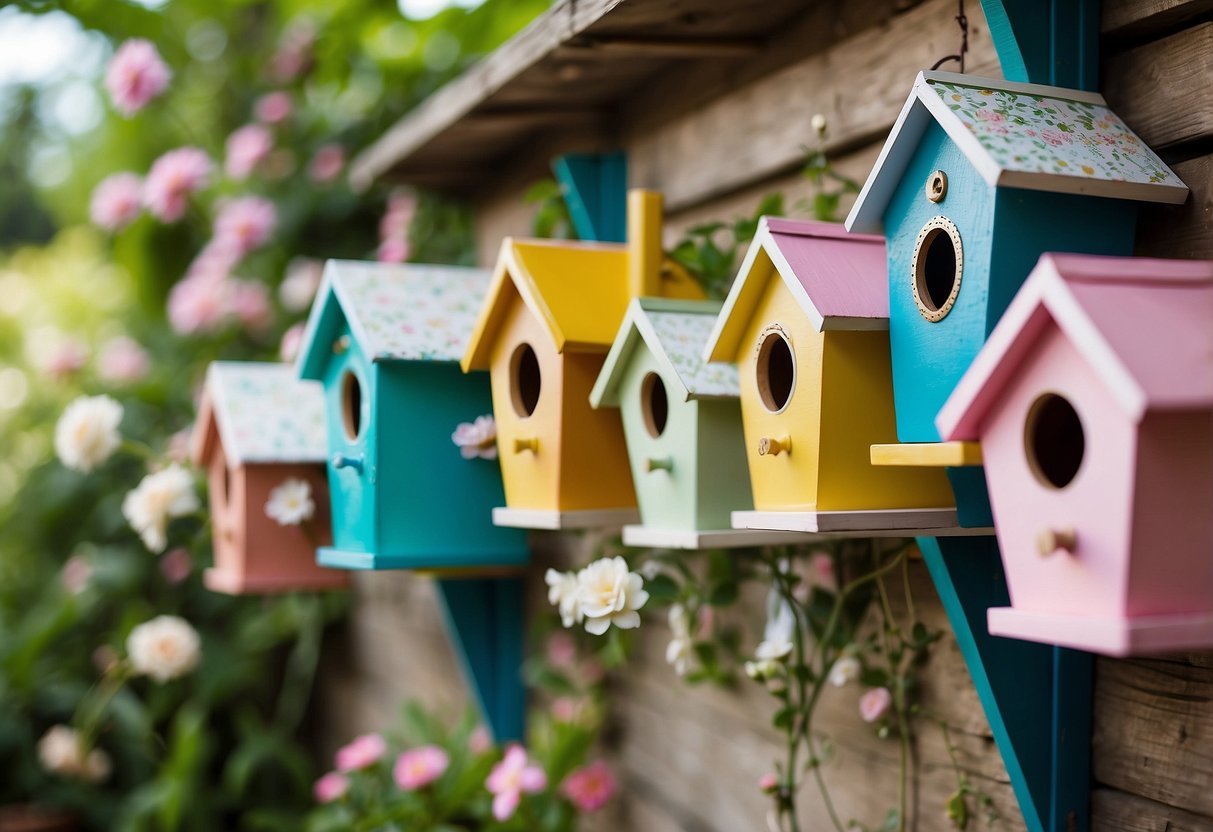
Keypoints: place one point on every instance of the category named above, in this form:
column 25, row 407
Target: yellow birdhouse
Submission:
column 545, row 328
column 807, row 324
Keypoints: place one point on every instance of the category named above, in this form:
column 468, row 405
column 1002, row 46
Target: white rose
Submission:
column 158, row 497
column 680, row 622
column 164, row 648
column 563, row 592
column 845, row 669
column 291, row 503
column 87, row 432
column 680, row 652
column 609, row 594
column 773, row 650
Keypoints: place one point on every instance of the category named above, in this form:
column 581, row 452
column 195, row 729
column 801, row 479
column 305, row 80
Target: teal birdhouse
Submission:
column 386, row 340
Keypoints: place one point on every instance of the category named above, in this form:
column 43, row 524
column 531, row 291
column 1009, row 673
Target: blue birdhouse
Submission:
column 386, row 340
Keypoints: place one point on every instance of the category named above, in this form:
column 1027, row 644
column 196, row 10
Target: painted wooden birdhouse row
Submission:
column 260, row 438
column 1093, row 401
column 385, row 341
column 546, row 325
column 806, row 324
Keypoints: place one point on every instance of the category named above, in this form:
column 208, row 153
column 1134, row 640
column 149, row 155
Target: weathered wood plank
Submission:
column 1163, row 91
column 1139, row 19
column 1186, row 230
column 1113, row 811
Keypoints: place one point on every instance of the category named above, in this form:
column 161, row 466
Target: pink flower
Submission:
column 511, row 777
column 65, row 359
column 590, row 788
column 562, row 652
column 768, row 783
column 821, row 566
column 291, row 341
column 197, row 304
column 216, row 260
column 178, row 448
column 177, row 565
column 245, row 224
column 249, row 302
column 136, row 74
column 116, row 201
column 122, row 359
column 419, row 767
column 274, row 107
column 875, row 704
column 362, row 752
column 76, row 574
column 294, row 55
column 327, row 164
column 477, row 439
column 566, row 709
column 173, row 177
column 479, row 741
column 1055, row 137
column 247, row 147
column 393, row 251
column 330, row 787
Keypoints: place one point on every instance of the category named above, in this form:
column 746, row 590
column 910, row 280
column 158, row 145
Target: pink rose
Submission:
column 327, row 164
column 419, row 767
column 288, row 350
column 479, row 741
column 123, row 360
column 874, row 704
column 247, row 147
column 768, row 783
column 393, row 251
column 330, row 787
column 197, row 303
column 116, row 201
column 136, row 74
column 510, row 778
column 249, row 302
column 176, row 566
column 562, row 652
column 362, row 752
column 477, row 439
column 294, row 55
column 245, row 224
column 173, row 177
column 67, row 358
column 274, row 107
column 590, row 788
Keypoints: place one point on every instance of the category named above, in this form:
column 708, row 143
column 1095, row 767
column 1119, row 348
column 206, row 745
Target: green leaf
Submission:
column 662, row 588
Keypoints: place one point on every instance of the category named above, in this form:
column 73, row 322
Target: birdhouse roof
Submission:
column 396, row 312
column 260, row 413
column 674, row 331
column 839, row 279
column 1141, row 324
column 577, row 291
column 1019, row 136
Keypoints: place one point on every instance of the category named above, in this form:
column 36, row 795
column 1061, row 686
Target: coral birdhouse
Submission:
column 260, row 438
column 806, row 324
column 1093, row 402
column 385, row 341
column 543, row 332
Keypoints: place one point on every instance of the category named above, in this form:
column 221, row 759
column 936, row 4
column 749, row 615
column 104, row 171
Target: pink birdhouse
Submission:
column 1093, row 401
column 260, row 436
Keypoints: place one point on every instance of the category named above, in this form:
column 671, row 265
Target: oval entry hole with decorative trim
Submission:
column 525, row 380
column 351, row 406
column 937, row 268
column 776, row 372
column 654, row 405
column 1054, row 441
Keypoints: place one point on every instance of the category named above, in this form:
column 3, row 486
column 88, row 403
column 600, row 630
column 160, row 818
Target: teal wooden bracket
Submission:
column 484, row 617
column 1054, row 42
column 1036, row 697
column 595, row 189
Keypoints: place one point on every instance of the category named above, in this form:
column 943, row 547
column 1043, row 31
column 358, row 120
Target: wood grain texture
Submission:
column 1113, row 811
column 1139, row 19
column 1184, row 231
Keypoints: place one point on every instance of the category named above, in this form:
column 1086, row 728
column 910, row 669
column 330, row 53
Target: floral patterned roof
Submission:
column 681, row 335
column 409, row 312
column 265, row 414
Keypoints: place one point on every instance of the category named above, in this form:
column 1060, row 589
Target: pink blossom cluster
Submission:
column 123, row 360
column 294, row 55
column 511, row 778
column 246, row 148
column 326, row 164
column 394, row 246
column 135, row 75
column 590, row 788
column 419, row 767
column 172, row 179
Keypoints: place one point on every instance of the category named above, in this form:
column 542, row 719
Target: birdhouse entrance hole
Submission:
column 1054, row 440
column 937, row 267
column 654, row 404
column 776, row 370
column 351, row 405
column 525, row 380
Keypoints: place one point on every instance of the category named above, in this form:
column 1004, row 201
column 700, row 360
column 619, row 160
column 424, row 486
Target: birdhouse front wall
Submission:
column 788, row 414
column 724, row 475
column 1030, row 447
column 594, row 469
column 225, row 490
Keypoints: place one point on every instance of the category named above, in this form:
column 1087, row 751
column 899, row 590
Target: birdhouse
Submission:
column 1093, row 402
column 682, row 421
column 977, row 179
column 260, row 438
column 806, row 323
column 385, row 341
column 543, row 332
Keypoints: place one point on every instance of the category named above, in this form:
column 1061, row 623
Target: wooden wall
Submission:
column 715, row 143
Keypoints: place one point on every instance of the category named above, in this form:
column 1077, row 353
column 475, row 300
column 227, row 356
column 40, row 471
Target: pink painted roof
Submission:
column 843, row 274
column 1142, row 324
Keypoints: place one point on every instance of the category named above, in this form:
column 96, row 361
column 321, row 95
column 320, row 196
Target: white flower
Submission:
column 298, row 288
column 291, row 503
column 680, row 652
column 777, row 640
column 159, row 497
column 563, row 591
column 845, row 669
column 818, row 123
column 87, row 432
column 609, row 594
column 762, row 670
column 164, row 648
column 477, row 439
column 61, row 752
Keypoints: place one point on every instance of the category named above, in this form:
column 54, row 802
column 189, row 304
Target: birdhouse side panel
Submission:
column 1170, row 569
column 781, row 401
column 349, row 392
column 225, row 490
column 936, row 321
column 857, row 412
column 594, row 468
column 1059, row 461
column 436, row 505
column 527, row 407
column 724, row 474
column 660, row 428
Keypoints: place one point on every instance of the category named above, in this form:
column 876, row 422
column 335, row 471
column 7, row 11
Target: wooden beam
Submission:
column 613, row 47
column 1140, row 19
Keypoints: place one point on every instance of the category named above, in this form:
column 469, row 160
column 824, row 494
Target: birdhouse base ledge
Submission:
column 654, row 538
column 447, row 564
column 233, row 583
column 1106, row 636
column 533, row 518
column 900, row 522
column 927, row 454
